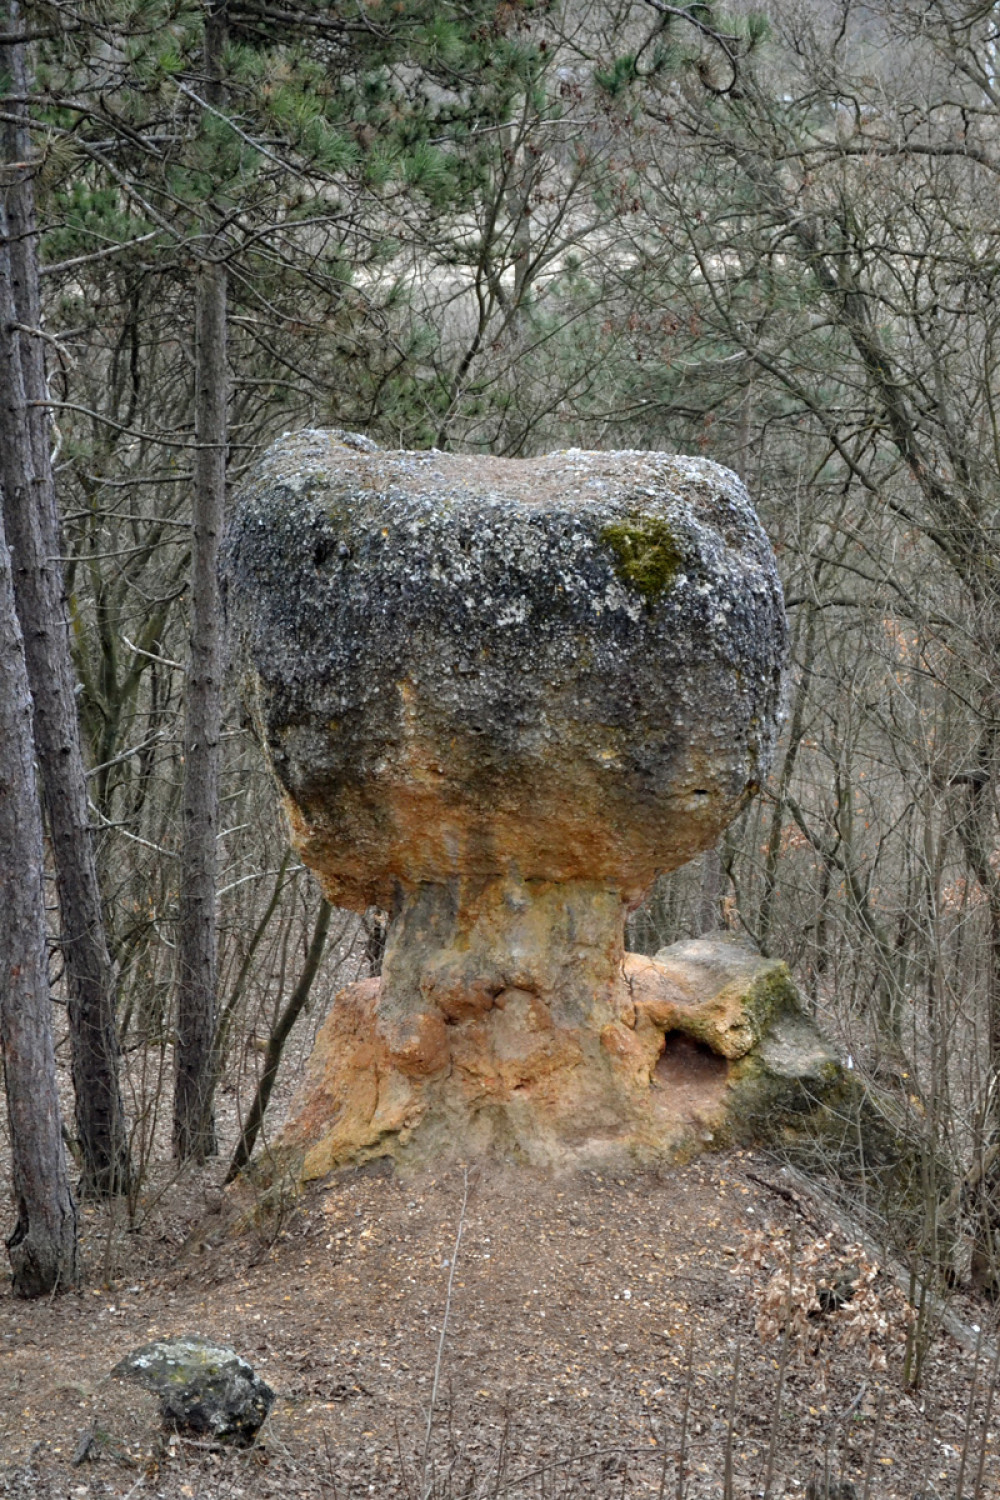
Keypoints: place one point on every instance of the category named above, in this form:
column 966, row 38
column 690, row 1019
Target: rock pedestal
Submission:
column 703, row 1046
column 499, row 698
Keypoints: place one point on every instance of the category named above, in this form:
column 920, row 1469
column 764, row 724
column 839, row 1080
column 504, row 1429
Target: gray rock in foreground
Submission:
column 203, row 1387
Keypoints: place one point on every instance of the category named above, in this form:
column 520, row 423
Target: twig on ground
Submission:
column 425, row 1488
column 984, row 1435
column 727, row 1478
column 682, row 1450
column 788, row 1196
column 870, row 1465
column 967, row 1435
column 855, row 1404
column 786, row 1340
column 83, row 1446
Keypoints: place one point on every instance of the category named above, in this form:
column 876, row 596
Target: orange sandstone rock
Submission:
column 644, row 1087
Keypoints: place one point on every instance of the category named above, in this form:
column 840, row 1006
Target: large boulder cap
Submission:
column 568, row 666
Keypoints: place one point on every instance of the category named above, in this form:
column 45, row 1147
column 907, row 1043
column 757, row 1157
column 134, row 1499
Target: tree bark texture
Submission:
column 194, row 1127
column 712, row 889
column 42, row 1247
column 197, row 935
column 32, row 528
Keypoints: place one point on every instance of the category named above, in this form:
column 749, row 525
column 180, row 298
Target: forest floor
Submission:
column 585, row 1315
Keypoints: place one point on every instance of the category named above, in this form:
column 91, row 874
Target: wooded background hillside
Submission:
column 768, row 234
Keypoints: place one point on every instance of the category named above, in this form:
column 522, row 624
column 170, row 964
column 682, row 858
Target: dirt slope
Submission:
column 576, row 1305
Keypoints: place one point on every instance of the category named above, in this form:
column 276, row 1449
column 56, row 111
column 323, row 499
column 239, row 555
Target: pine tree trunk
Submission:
column 42, row 1247
column 194, row 1129
column 32, row 528
column 197, row 939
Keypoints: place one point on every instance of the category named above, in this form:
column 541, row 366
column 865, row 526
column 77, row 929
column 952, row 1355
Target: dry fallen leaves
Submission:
column 825, row 1292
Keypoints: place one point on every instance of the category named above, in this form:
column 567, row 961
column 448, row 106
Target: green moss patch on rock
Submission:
column 782, row 1083
column 647, row 554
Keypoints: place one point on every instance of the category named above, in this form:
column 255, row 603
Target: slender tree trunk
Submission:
column 32, row 527
column 42, row 1247
column 976, row 831
column 276, row 1043
column 796, row 732
column 197, row 938
column 711, row 890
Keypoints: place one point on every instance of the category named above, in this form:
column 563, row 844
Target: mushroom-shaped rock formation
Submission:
column 499, row 697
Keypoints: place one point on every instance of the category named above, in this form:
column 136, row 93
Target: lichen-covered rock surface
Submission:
column 500, row 697
column 568, row 665
column 706, row 1045
column 203, row 1387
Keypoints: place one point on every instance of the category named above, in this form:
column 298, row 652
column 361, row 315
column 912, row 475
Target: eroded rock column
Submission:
column 499, row 698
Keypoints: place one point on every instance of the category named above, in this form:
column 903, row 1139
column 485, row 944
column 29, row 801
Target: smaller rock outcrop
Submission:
column 203, row 1387
column 737, row 1059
